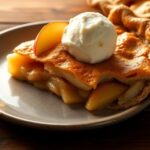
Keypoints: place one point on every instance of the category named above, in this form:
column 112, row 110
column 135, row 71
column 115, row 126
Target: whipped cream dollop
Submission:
column 90, row 37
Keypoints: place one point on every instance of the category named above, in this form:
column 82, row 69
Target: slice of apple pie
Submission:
column 120, row 81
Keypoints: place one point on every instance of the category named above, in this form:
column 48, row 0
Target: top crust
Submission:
column 129, row 62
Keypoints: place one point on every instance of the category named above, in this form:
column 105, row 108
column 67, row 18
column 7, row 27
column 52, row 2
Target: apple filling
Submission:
column 24, row 68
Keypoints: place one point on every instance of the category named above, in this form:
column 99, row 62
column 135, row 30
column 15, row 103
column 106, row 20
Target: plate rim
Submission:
column 27, row 122
column 63, row 127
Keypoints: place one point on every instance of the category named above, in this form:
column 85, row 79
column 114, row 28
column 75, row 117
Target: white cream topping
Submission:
column 90, row 37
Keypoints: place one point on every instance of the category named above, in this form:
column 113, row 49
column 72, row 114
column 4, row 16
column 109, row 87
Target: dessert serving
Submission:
column 92, row 60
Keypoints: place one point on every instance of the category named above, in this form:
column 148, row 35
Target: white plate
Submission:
column 24, row 104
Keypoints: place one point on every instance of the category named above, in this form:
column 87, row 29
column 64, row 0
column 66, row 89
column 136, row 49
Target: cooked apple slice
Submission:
column 104, row 95
column 69, row 94
column 49, row 37
column 132, row 92
column 53, row 85
column 14, row 62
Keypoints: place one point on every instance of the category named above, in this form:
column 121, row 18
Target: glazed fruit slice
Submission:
column 69, row 94
column 132, row 92
column 105, row 94
column 15, row 62
column 49, row 37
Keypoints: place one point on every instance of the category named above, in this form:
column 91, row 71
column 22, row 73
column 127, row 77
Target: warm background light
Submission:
column 36, row 10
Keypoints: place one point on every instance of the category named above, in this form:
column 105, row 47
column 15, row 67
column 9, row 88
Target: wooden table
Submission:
column 131, row 134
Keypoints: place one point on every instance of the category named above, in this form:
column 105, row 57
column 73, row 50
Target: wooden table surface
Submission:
column 131, row 134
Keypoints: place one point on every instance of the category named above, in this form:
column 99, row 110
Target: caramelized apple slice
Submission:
column 69, row 94
column 49, row 37
column 15, row 61
column 53, row 85
column 132, row 92
column 104, row 95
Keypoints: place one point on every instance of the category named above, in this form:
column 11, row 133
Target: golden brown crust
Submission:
column 123, row 16
column 129, row 62
column 140, row 7
column 129, row 14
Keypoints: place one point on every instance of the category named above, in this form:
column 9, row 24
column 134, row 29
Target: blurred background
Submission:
column 13, row 12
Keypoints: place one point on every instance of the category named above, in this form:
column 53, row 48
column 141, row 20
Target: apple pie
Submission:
column 119, row 82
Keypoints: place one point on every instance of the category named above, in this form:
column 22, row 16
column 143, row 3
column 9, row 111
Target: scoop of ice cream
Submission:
column 90, row 37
